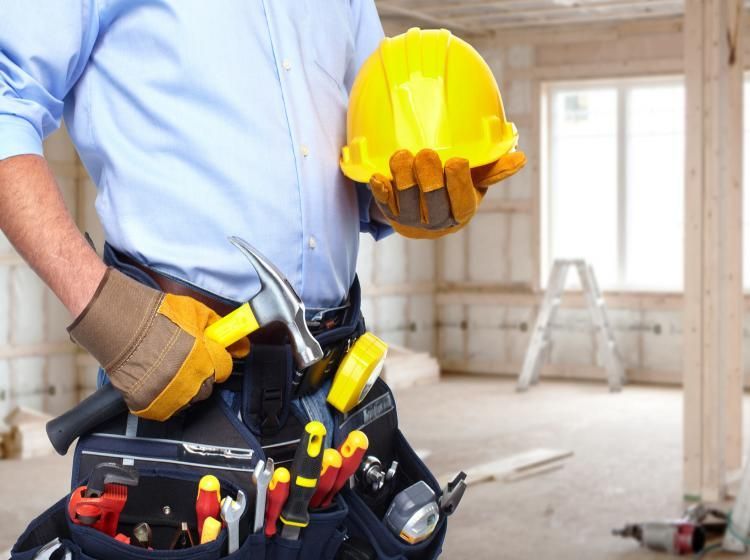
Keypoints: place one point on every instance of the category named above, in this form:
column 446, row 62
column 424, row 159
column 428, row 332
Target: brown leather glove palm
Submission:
column 152, row 345
column 427, row 201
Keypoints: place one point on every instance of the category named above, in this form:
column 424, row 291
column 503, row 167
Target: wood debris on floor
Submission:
column 405, row 368
column 26, row 436
column 515, row 467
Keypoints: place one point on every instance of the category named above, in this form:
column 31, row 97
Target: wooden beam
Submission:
column 582, row 12
column 488, row 24
column 578, row 372
column 713, row 246
column 41, row 349
column 453, row 294
column 603, row 32
column 533, row 6
column 385, row 9
column 506, row 206
column 602, row 70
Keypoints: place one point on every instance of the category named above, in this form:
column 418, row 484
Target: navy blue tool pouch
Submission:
column 376, row 416
column 260, row 412
column 170, row 469
column 320, row 540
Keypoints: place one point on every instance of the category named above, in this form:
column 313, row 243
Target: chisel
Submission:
column 305, row 472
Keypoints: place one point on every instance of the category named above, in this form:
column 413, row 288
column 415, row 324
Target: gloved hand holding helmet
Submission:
column 153, row 345
column 426, row 129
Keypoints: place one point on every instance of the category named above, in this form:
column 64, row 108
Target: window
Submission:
column 614, row 185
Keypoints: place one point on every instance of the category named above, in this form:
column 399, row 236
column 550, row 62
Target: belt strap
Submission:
column 267, row 388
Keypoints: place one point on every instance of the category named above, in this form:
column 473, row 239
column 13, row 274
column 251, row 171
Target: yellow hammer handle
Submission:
column 230, row 328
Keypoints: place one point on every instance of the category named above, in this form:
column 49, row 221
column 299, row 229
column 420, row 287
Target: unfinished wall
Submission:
column 489, row 276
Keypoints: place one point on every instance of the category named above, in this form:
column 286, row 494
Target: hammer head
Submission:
column 278, row 302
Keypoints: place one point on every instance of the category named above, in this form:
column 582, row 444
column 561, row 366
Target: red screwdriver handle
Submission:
column 352, row 451
column 332, row 462
column 278, row 492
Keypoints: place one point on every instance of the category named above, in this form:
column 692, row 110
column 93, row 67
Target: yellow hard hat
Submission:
column 424, row 89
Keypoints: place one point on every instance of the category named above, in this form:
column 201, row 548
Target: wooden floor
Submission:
column 626, row 466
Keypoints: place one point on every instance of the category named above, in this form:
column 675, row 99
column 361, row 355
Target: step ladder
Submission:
column 540, row 336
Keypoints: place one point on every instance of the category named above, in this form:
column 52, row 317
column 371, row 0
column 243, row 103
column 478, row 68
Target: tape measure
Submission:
column 357, row 372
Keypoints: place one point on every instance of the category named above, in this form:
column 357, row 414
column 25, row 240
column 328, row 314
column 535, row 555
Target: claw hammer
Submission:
column 276, row 302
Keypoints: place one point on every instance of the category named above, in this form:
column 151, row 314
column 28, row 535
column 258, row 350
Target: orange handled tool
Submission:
column 332, row 462
column 352, row 451
column 278, row 492
column 208, row 502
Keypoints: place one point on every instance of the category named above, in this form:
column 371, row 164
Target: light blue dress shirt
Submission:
column 198, row 120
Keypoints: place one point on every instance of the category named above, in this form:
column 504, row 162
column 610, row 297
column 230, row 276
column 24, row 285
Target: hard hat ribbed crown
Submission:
column 424, row 89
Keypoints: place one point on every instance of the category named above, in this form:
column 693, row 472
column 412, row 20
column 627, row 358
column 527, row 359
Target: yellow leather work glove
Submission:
column 152, row 345
column 427, row 201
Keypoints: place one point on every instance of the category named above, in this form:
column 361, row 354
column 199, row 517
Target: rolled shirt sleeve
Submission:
column 368, row 34
column 44, row 47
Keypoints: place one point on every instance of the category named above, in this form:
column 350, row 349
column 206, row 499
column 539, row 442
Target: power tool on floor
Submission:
column 679, row 537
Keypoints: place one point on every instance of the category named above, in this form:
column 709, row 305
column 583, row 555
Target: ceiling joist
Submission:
column 473, row 17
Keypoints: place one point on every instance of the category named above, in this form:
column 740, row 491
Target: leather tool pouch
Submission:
column 259, row 412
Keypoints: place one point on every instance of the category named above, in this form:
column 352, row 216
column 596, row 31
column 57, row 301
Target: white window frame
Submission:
column 621, row 85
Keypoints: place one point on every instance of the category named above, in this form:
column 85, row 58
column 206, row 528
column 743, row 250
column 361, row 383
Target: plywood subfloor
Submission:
column 626, row 466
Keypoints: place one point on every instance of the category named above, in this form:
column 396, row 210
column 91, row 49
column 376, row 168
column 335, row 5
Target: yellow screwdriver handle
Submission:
column 230, row 328
column 211, row 530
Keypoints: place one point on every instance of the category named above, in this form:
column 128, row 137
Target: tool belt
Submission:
column 259, row 412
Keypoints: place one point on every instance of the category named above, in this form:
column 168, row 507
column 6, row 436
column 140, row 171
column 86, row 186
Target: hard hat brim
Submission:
column 361, row 169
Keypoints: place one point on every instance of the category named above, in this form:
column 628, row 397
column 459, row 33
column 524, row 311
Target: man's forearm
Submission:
column 34, row 218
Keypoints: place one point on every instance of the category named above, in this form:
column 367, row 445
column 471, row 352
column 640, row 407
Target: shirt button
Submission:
column 312, row 243
column 286, row 64
column 305, row 151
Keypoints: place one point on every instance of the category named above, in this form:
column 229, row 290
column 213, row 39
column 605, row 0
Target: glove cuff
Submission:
column 116, row 319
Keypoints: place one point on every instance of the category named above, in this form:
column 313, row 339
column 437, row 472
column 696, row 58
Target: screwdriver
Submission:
column 332, row 462
column 208, row 502
column 352, row 451
column 278, row 492
column 211, row 529
column 304, row 479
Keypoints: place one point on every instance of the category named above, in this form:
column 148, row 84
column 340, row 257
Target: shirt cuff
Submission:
column 366, row 223
column 18, row 136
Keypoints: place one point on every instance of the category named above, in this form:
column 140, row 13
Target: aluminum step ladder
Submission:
column 540, row 336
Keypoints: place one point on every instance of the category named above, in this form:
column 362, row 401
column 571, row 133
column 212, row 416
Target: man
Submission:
column 197, row 120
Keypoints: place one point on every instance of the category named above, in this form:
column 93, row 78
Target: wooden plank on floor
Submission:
column 515, row 465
